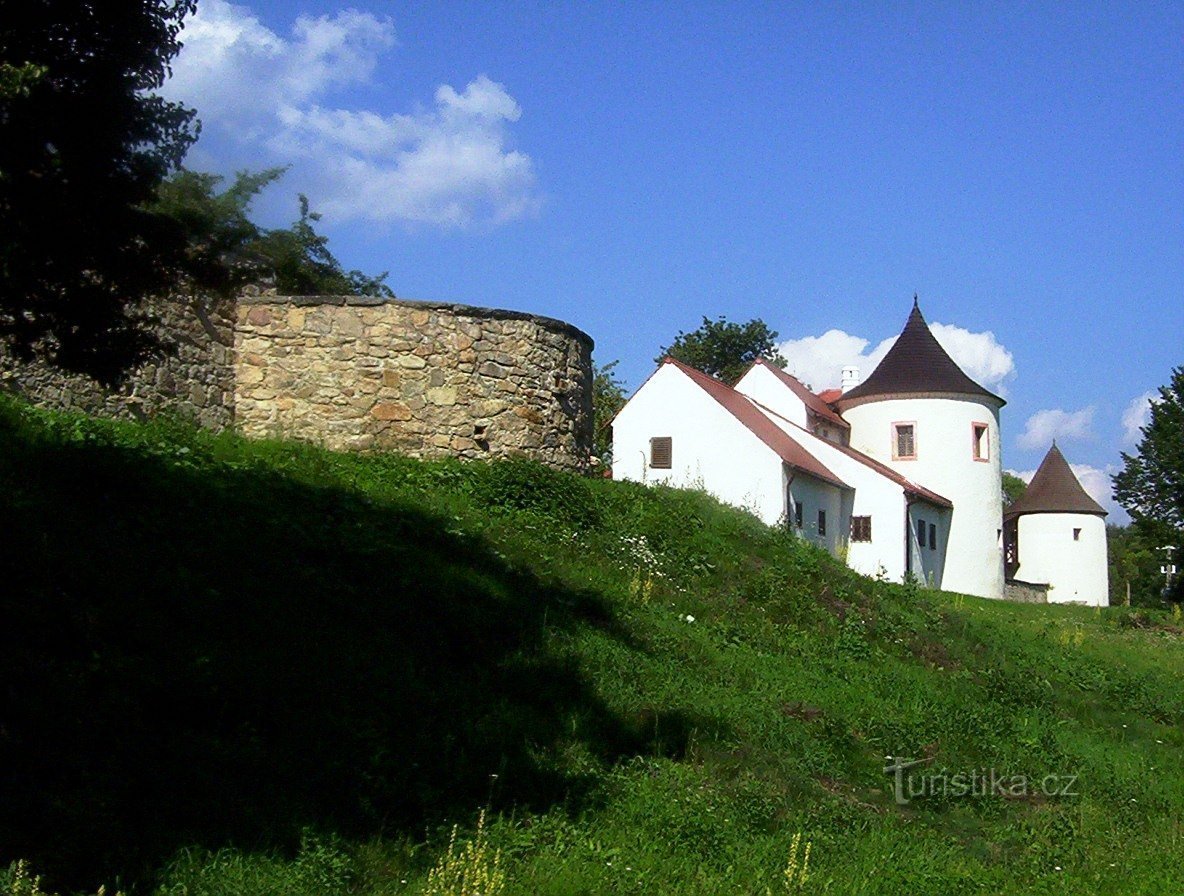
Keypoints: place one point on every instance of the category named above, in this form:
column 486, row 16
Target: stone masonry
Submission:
column 419, row 378
column 357, row 373
column 192, row 374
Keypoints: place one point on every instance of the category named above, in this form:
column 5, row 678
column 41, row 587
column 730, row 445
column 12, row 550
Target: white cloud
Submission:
column 1136, row 416
column 1097, row 484
column 819, row 360
column 1045, row 426
column 448, row 165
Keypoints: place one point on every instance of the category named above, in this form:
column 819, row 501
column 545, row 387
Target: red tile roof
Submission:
column 884, row 470
column 746, row 411
column 812, row 401
column 830, row 396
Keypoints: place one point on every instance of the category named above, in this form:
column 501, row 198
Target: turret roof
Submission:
column 1054, row 489
column 916, row 364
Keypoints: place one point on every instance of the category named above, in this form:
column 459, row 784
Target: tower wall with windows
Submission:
column 953, row 448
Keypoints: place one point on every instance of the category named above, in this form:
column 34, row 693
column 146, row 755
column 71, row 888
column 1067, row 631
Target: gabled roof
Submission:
column 830, row 396
column 744, row 410
column 1054, row 489
column 909, row 487
column 915, row 365
column 812, row 401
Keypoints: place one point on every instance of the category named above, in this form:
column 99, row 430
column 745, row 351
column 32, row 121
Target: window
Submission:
column 904, row 446
column 660, row 452
column 822, row 522
column 932, row 537
column 980, row 444
column 797, row 514
column 1077, row 535
column 861, row 528
column 921, row 533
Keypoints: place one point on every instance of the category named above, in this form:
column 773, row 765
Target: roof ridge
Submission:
column 870, row 462
column 739, row 405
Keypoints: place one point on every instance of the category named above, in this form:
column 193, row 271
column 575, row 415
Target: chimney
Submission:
column 850, row 378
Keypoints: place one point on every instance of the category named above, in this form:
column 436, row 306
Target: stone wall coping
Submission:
column 549, row 323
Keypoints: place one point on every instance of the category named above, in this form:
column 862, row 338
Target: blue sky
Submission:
column 633, row 167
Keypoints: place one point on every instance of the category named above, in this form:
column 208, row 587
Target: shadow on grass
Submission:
column 211, row 656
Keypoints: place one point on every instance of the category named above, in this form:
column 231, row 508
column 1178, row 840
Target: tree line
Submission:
column 97, row 214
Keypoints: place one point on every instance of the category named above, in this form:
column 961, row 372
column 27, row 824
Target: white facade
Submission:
column 884, row 503
column 900, row 474
column 1067, row 552
column 706, row 442
column 944, row 460
column 762, row 386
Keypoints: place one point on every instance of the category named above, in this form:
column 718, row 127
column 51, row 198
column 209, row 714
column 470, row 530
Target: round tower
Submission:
column 920, row 414
column 1056, row 536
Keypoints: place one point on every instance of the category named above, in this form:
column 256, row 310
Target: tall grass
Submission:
column 253, row 667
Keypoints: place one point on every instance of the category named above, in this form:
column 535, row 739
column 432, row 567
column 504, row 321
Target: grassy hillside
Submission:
column 231, row 667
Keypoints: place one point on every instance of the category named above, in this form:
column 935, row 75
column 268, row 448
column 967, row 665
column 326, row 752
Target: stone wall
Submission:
column 353, row 372
column 1025, row 592
column 191, row 376
column 420, row 378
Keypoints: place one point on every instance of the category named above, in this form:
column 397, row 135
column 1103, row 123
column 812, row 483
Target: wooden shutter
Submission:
column 661, row 451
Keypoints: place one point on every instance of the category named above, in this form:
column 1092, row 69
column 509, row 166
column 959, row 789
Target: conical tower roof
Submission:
column 915, row 365
column 1054, row 489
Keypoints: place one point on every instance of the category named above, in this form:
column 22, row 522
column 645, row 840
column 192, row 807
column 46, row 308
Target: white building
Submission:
column 1055, row 535
column 900, row 473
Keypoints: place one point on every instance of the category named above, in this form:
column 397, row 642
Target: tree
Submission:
column 608, row 397
column 723, row 349
column 83, row 146
column 1136, row 563
column 1013, row 488
column 225, row 250
column 1151, row 484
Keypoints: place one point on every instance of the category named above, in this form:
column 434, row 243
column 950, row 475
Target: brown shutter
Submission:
column 661, row 452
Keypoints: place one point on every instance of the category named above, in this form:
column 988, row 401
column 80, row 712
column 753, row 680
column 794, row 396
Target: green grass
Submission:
column 260, row 667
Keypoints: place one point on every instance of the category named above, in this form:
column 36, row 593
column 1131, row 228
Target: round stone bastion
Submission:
column 422, row 378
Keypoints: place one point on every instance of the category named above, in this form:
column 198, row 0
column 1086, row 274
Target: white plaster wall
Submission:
column 762, row 385
column 710, row 448
column 945, row 464
column 1076, row 570
column 816, row 495
column 928, row 564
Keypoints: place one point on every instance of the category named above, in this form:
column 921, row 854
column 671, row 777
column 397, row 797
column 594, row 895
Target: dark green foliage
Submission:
column 723, row 349
column 524, row 485
column 1151, row 483
column 1134, row 561
column 83, row 145
column 608, row 397
column 225, row 250
column 1013, row 488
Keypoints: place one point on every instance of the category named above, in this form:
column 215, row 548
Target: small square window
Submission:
column 1077, row 535
column 861, row 528
column 904, row 446
column 822, row 522
column 980, row 443
column 932, row 536
column 661, row 452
